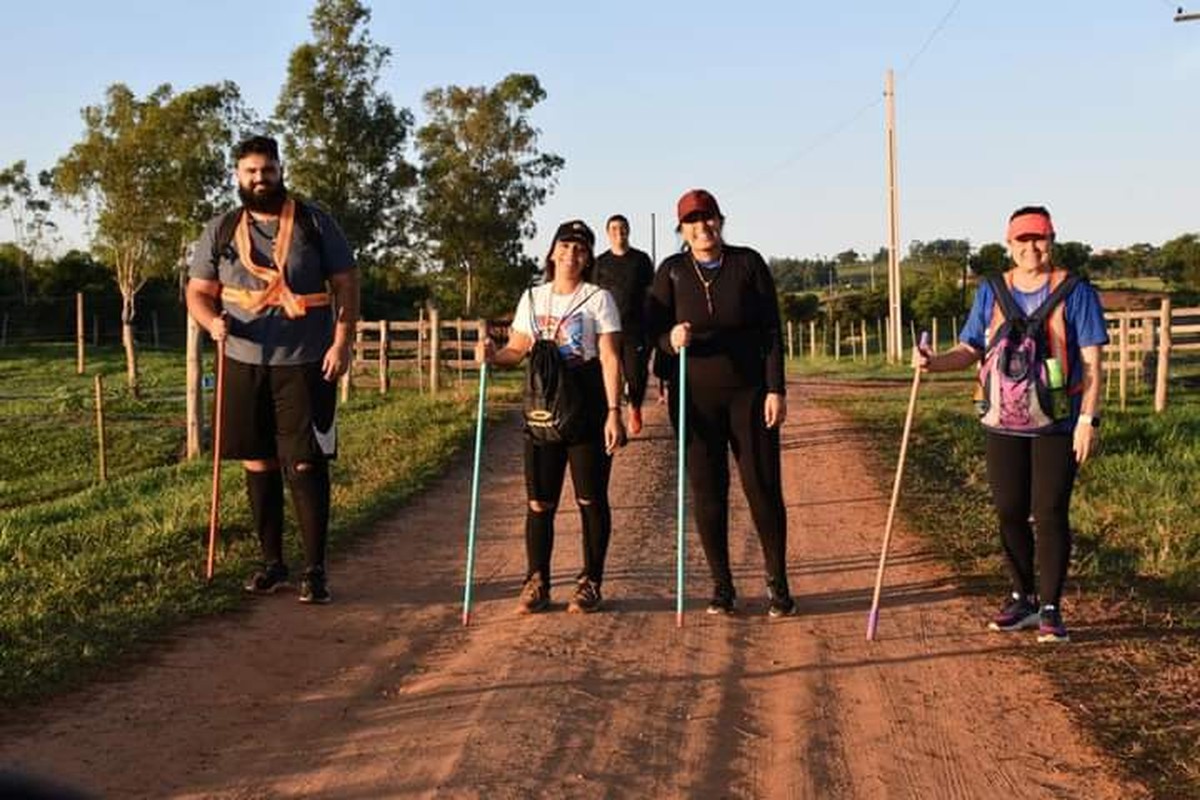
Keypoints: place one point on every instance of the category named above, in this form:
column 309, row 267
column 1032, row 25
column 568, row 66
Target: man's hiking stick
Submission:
column 474, row 517
column 681, row 488
column 214, row 512
column 873, row 617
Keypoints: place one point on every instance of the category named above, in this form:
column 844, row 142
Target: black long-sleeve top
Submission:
column 627, row 277
column 738, row 343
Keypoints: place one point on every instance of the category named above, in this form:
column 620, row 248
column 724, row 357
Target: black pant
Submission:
column 718, row 419
column 545, row 471
column 635, row 365
column 1033, row 474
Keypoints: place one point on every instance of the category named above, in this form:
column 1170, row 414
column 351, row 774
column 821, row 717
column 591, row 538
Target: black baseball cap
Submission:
column 575, row 230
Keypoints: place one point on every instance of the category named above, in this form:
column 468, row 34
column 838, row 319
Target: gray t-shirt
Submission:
column 270, row 337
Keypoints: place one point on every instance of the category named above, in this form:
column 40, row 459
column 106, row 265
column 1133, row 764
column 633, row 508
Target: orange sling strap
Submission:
column 1056, row 326
column 276, row 292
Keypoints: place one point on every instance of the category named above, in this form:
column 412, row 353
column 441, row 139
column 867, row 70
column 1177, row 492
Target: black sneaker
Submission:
column 1018, row 614
column 780, row 603
column 586, row 598
column 535, row 595
column 268, row 580
column 313, row 588
column 724, row 600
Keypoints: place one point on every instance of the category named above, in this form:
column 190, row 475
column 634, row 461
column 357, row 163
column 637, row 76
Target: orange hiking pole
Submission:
column 873, row 617
column 214, row 512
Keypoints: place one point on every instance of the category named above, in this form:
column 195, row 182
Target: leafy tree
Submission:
column 991, row 259
column 27, row 204
column 1180, row 260
column 74, row 272
column 151, row 171
column 800, row 307
column 344, row 138
column 482, row 176
column 1073, row 256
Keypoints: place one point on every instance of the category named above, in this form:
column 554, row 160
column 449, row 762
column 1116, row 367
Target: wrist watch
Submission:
column 1088, row 419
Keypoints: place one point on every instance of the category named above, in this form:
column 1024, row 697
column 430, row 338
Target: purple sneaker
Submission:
column 1019, row 614
column 1051, row 627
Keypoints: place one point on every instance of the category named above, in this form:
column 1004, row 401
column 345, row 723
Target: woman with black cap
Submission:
column 718, row 300
column 583, row 321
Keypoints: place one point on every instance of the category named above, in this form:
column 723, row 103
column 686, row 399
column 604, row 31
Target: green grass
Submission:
column 95, row 570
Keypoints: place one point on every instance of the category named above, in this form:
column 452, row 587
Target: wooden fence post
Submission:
column 100, row 427
column 1123, row 384
column 912, row 331
column 194, row 391
column 791, row 339
column 837, row 340
column 79, row 361
column 420, row 345
column 879, row 337
column 458, row 332
column 383, row 356
column 1164, row 356
column 935, row 334
column 435, row 348
column 862, row 326
column 812, row 337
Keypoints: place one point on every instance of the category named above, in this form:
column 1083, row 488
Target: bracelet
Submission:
column 614, row 408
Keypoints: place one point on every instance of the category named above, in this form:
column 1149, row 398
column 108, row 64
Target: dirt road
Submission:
column 384, row 694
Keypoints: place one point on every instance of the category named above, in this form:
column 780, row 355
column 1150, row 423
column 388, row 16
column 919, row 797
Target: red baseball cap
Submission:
column 1031, row 224
column 697, row 201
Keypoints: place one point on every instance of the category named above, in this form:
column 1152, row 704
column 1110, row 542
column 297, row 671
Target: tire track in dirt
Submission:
column 385, row 694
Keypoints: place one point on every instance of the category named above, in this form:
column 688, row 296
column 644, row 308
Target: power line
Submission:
column 932, row 35
column 849, row 120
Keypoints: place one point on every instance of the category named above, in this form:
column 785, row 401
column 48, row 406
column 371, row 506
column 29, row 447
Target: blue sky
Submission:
column 1087, row 107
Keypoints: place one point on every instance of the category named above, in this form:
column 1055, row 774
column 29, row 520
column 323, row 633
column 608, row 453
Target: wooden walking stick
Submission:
column 214, row 512
column 873, row 617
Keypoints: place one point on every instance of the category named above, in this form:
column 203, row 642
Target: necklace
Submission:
column 707, row 283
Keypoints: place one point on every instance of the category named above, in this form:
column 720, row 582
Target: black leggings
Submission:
column 719, row 419
column 1033, row 474
column 635, row 362
column 545, row 471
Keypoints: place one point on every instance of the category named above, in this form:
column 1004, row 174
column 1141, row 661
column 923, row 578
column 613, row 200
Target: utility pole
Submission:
column 895, row 343
column 653, row 246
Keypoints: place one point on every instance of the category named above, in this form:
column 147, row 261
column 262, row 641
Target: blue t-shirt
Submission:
column 1085, row 327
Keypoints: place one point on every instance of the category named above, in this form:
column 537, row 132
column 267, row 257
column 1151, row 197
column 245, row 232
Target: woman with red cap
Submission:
column 718, row 300
column 583, row 321
column 1036, row 437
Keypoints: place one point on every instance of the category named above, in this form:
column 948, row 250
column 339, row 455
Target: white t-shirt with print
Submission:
column 573, row 321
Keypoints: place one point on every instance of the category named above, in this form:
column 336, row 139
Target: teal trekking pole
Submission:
column 473, row 522
column 681, row 489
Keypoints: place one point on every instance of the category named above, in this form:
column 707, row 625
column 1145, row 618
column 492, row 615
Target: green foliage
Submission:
column 151, row 171
column 344, row 138
column 1180, row 259
column 802, row 274
column 991, row 259
column 27, row 204
column 799, row 307
column 482, row 176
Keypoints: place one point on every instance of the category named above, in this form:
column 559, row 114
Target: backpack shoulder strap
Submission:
column 224, row 233
column 1008, row 303
column 308, row 222
column 1064, row 288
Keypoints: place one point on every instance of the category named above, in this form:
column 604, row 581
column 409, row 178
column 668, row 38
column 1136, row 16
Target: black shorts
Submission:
column 284, row 412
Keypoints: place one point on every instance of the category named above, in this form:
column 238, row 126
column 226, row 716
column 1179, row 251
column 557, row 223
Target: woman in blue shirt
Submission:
column 1034, row 472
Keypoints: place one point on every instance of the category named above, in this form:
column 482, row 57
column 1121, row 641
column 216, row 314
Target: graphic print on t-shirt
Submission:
column 567, row 333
